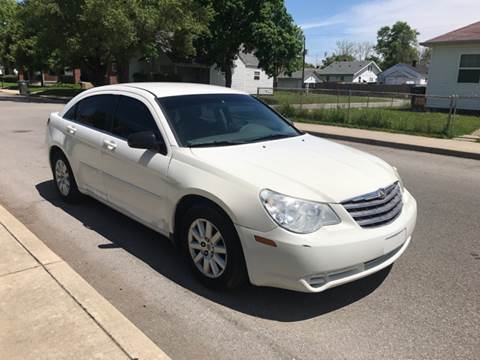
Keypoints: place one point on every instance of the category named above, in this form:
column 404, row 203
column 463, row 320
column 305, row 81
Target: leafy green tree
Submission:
column 334, row 58
column 263, row 27
column 94, row 34
column 229, row 29
column 278, row 41
column 8, row 23
column 397, row 44
column 425, row 55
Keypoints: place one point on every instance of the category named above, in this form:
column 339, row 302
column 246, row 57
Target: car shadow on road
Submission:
column 159, row 253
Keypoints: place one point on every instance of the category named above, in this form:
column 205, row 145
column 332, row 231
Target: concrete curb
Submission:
column 392, row 144
column 35, row 99
column 395, row 145
column 124, row 333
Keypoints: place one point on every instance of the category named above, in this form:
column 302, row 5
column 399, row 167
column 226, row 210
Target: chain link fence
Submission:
column 432, row 115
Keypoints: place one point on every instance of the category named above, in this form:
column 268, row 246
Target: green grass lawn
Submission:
column 68, row 90
column 292, row 97
column 433, row 124
column 9, row 85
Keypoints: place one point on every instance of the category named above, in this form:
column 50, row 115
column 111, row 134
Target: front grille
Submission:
column 377, row 208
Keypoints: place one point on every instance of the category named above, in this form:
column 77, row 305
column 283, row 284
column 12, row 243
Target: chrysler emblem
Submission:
column 381, row 193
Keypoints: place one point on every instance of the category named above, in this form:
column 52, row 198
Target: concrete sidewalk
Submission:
column 47, row 311
column 401, row 141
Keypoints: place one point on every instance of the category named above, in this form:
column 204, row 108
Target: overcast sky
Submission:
column 326, row 21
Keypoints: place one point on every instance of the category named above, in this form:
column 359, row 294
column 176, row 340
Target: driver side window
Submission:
column 133, row 116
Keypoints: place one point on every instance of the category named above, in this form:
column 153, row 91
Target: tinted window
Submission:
column 219, row 119
column 132, row 116
column 96, row 111
column 70, row 114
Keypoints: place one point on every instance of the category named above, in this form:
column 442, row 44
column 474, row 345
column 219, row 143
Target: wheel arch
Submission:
column 55, row 149
column 189, row 200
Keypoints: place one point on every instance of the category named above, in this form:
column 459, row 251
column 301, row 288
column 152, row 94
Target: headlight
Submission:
column 297, row 215
column 400, row 181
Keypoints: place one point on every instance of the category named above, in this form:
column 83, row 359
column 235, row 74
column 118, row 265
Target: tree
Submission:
column 229, row 29
column 334, row 58
column 397, row 44
column 345, row 48
column 363, row 50
column 94, row 34
column 8, row 23
column 277, row 40
column 425, row 55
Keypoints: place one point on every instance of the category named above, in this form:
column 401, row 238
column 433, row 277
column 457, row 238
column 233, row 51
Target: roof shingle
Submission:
column 469, row 33
column 343, row 68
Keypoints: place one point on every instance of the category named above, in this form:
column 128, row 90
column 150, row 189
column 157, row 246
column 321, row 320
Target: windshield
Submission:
column 223, row 119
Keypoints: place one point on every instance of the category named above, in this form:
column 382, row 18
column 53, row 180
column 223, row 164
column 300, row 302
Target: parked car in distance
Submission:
column 246, row 195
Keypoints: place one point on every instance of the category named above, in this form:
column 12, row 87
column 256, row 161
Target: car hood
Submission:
column 306, row 166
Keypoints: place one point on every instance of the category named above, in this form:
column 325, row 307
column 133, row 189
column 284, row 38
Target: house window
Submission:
column 469, row 70
column 256, row 75
column 342, row 78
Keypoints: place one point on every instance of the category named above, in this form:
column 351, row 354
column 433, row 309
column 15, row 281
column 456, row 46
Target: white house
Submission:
column 404, row 74
column 294, row 81
column 246, row 75
column 350, row 71
column 455, row 68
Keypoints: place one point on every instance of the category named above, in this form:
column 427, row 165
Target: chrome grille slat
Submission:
column 377, row 208
column 352, row 204
column 381, row 219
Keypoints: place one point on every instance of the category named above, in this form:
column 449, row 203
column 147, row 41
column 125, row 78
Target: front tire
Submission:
column 213, row 248
column 64, row 179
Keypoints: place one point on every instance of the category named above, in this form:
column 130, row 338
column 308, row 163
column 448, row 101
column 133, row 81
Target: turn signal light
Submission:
column 265, row 241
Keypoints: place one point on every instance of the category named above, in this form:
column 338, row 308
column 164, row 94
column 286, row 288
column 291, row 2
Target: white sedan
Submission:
column 244, row 194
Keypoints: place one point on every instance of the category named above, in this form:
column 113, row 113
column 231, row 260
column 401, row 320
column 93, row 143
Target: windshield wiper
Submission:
column 216, row 143
column 272, row 137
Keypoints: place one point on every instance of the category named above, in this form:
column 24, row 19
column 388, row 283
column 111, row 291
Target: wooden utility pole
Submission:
column 303, row 65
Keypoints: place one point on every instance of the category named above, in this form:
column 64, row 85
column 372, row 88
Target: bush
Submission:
column 166, row 77
column 10, row 78
column 67, row 79
column 140, row 77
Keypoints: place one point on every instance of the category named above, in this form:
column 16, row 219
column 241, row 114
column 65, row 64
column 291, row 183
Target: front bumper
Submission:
column 329, row 257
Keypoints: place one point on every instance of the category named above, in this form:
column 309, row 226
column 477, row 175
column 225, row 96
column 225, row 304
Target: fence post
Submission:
column 349, row 101
column 452, row 123
column 338, row 100
column 368, row 99
column 450, row 112
column 301, row 98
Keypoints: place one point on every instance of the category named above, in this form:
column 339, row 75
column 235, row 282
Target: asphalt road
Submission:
column 426, row 307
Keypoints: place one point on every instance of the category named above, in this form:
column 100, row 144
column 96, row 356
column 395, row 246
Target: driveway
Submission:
column 426, row 306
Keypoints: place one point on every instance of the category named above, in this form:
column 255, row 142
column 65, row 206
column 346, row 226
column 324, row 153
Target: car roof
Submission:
column 165, row 89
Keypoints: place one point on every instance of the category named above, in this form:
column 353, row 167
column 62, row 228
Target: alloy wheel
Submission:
column 62, row 177
column 207, row 248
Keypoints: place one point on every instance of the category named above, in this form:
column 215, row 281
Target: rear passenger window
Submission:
column 96, row 111
column 133, row 116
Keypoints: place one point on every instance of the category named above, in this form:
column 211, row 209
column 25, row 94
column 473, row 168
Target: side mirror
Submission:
column 146, row 140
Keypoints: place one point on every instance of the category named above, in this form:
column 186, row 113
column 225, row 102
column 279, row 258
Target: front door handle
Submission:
column 110, row 145
column 71, row 129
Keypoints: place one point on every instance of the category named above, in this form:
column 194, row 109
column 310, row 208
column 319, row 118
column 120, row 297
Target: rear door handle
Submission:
column 71, row 129
column 110, row 145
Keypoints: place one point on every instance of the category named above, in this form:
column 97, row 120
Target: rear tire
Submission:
column 64, row 179
column 212, row 247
